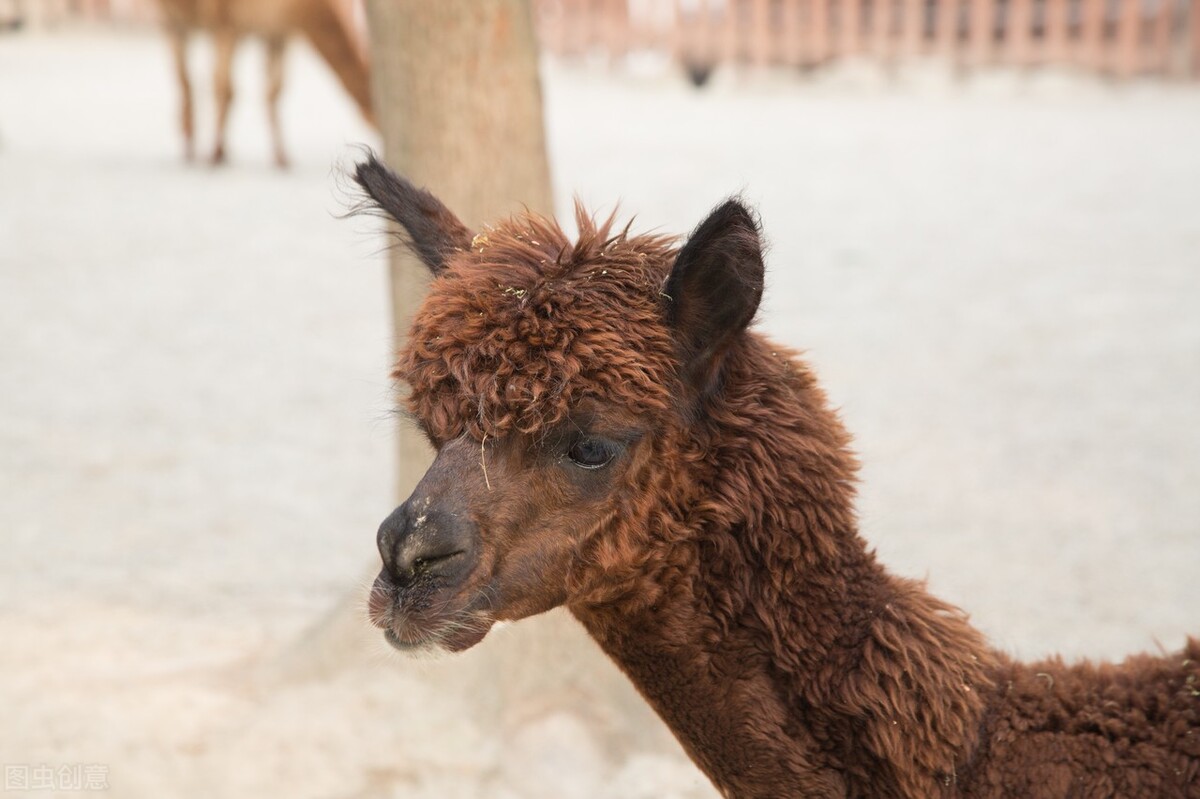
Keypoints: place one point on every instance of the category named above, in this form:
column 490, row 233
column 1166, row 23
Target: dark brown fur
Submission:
column 717, row 558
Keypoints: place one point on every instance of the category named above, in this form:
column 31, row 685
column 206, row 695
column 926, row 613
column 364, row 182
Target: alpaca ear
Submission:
column 714, row 289
column 434, row 232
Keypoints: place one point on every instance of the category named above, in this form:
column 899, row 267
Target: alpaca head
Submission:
column 558, row 383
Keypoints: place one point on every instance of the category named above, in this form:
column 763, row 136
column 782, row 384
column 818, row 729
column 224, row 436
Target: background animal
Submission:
column 611, row 437
column 273, row 21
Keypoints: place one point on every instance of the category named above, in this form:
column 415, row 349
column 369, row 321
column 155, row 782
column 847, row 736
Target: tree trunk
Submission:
column 460, row 109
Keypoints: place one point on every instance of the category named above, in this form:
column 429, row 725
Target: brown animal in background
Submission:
column 611, row 437
column 273, row 21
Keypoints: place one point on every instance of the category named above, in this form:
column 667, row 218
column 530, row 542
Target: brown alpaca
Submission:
column 612, row 438
column 273, row 21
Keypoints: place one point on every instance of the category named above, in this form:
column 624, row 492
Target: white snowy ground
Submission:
column 999, row 281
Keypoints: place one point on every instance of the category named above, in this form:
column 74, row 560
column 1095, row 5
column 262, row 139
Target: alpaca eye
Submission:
column 591, row 453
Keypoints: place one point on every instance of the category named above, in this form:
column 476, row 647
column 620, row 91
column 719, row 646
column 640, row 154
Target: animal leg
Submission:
column 275, row 54
column 225, row 42
column 178, row 37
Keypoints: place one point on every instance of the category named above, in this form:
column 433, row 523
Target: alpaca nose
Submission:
column 417, row 541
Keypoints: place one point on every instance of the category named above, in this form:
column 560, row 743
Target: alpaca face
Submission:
column 495, row 529
column 554, row 380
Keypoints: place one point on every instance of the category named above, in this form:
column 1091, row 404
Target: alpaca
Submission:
column 612, row 437
column 273, row 21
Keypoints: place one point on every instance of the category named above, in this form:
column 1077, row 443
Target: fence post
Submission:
column 790, row 49
column 1018, row 29
column 760, row 33
column 982, row 26
column 617, row 30
column 947, row 27
column 730, row 30
column 1054, row 46
column 1129, row 29
column 850, row 21
column 1164, row 24
column 1194, row 46
column 818, row 22
column 881, row 28
column 1091, row 35
column 912, row 26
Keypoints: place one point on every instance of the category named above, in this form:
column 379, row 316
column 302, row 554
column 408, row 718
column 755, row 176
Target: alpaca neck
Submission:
column 782, row 656
column 888, row 706
column 721, row 690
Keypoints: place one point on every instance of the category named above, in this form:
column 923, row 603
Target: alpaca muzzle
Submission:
column 418, row 542
column 427, row 593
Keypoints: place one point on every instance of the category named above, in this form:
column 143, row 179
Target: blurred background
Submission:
column 984, row 228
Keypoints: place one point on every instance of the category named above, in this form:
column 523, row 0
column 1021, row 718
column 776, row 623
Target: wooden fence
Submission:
column 1121, row 38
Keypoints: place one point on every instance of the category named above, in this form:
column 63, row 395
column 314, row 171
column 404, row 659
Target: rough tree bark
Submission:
column 460, row 110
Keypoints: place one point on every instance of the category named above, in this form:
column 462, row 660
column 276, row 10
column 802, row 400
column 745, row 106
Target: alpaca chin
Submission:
column 427, row 650
column 450, row 640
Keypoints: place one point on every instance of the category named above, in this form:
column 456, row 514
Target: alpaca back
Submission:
column 1127, row 729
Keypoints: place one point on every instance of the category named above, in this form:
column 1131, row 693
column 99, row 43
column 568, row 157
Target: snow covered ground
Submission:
column 998, row 279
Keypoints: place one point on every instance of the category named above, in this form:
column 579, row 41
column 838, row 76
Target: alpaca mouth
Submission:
column 452, row 639
column 410, row 627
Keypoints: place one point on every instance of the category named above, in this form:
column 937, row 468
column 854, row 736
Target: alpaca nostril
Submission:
column 417, row 540
column 425, row 564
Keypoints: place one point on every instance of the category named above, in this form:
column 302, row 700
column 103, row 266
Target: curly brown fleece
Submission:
column 723, row 569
